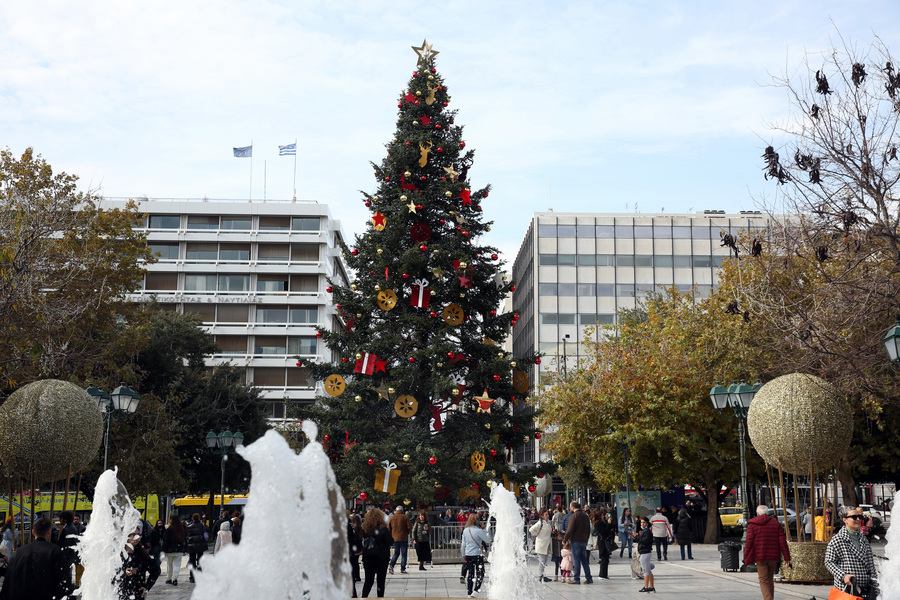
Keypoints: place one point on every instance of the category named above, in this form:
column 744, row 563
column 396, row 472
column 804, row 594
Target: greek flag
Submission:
column 289, row 150
column 245, row 152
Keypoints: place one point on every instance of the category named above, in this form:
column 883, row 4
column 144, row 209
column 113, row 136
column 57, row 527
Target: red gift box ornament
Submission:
column 366, row 364
column 421, row 293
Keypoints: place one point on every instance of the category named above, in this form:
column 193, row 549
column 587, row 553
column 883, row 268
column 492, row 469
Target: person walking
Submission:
column 39, row 570
column 473, row 536
column 578, row 532
column 765, row 547
column 662, row 533
column 354, row 545
column 174, row 545
column 848, row 556
column 156, row 542
column 625, row 528
column 422, row 539
column 223, row 538
column 645, row 550
column 196, row 543
column 542, row 532
column 400, row 529
column 377, row 542
column 140, row 571
column 684, row 531
column 605, row 533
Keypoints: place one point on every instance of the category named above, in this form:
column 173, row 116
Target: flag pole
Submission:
column 295, row 169
column 250, row 198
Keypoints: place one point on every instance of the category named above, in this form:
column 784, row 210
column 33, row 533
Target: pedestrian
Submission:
column 400, row 529
column 237, row 526
column 174, row 546
column 567, row 565
column 196, row 543
column 223, row 516
column 223, row 538
column 578, row 532
column 557, row 520
column 625, row 529
column 68, row 538
column 542, row 532
column 354, row 543
column 645, row 551
column 140, row 571
column 684, row 532
column 422, row 538
column 473, row 538
column 765, row 547
column 7, row 543
column 807, row 524
column 662, row 533
column 605, row 533
column 156, row 541
column 38, row 571
column 849, row 557
column 377, row 542
column 820, row 522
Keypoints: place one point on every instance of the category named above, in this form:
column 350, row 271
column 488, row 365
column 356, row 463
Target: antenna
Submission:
column 550, row 192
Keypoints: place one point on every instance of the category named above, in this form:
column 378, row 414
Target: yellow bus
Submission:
column 188, row 505
column 79, row 505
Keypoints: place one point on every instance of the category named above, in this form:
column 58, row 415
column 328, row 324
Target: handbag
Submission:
column 611, row 545
column 484, row 552
column 838, row 594
column 592, row 543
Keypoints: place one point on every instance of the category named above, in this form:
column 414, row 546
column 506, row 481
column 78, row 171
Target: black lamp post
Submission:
column 737, row 398
column 123, row 401
column 223, row 443
column 892, row 341
column 565, row 364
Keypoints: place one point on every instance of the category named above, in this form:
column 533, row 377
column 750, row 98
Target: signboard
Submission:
column 643, row 502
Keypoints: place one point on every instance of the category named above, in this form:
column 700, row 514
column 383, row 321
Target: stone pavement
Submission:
column 699, row 579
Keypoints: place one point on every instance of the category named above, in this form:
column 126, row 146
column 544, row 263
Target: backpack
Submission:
column 370, row 543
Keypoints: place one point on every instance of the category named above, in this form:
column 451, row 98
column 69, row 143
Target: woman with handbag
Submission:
column 542, row 533
column 422, row 539
column 603, row 530
column 473, row 537
column 377, row 544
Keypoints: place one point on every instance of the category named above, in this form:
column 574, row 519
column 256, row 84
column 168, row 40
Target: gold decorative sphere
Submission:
column 437, row 484
column 493, row 473
column 448, row 193
column 487, row 425
column 375, row 198
column 512, row 363
column 418, row 92
column 359, row 315
column 534, row 419
column 432, row 293
column 358, row 398
column 431, row 78
column 391, row 390
column 526, row 439
column 439, row 365
column 379, row 251
column 487, row 228
column 455, row 391
column 463, row 264
column 415, row 122
column 377, row 287
column 490, row 483
column 499, row 355
column 505, row 278
column 404, row 198
column 799, row 419
column 358, row 356
column 408, row 174
column 462, row 294
column 406, row 501
column 406, row 458
column 353, row 286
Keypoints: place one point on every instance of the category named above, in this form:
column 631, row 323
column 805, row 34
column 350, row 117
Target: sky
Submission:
column 581, row 106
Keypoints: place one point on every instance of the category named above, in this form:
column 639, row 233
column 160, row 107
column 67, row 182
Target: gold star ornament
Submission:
column 451, row 173
column 426, row 54
column 411, row 206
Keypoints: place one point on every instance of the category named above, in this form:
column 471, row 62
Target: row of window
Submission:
column 582, row 318
column 697, row 232
column 233, row 223
column 630, row 260
column 240, row 313
column 208, row 282
column 266, row 345
column 611, row 290
column 269, row 253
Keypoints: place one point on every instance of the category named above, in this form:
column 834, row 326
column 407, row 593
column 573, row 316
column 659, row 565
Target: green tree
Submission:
column 424, row 310
column 65, row 267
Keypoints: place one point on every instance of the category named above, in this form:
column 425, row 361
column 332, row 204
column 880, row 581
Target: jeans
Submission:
column 173, row 565
column 580, row 558
column 542, row 560
column 664, row 541
column 624, row 540
column 400, row 549
column 475, row 569
column 683, row 546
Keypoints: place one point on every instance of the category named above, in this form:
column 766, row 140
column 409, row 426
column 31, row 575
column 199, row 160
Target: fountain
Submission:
column 509, row 576
column 889, row 568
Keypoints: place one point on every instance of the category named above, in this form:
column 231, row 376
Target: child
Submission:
column 567, row 565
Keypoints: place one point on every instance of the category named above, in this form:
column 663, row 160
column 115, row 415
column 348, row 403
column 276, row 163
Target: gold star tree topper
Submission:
column 426, row 54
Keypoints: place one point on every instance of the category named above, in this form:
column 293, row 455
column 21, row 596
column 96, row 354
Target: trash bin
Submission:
column 729, row 552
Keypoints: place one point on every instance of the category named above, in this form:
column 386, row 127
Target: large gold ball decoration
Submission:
column 807, row 562
column 49, row 426
column 797, row 420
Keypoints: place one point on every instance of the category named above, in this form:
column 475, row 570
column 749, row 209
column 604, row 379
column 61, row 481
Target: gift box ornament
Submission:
column 366, row 364
column 421, row 294
column 386, row 478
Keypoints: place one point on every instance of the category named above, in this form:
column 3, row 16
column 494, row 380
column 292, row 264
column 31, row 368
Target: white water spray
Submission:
column 102, row 547
column 889, row 570
column 294, row 540
column 509, row 575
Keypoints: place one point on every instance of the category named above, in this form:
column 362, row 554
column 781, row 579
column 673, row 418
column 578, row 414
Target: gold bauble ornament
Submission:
column 462, row 294
column 499, row 355
column 431, row 78
column 377, row 287
column 437, row 484
column 455, row 391
column 432, row 293
column 505, row 278
column 358, row 398
column 358, row 356
column 488, row 228
column 375, row 198
column 404, row 198
column 487, row 425
column 448, row 193
column 534, row 419
column 526, row 439
column 799, row 420
column 463, row 264
column 512, row 363
column 379, row 251
column 408, row 174
column 406, row 458
column 490, row 483
column 493, row 473
column 359, row 315
column 439, row 365
column 415, row 122
column 406, row 501
column 418, row 92
column 391, row 390
column 353, row 286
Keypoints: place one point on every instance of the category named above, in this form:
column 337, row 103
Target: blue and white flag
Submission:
column 289, row 150
column 245, row 152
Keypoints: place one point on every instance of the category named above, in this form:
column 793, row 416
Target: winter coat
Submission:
column 603, row 531
column 765, row 541
column 578, row 529
column 541, row 532
column 472, row 540
column 223, row 538
column 420, row 531
column 842, row 558
column 170, row 544
column 399, row 527
column 38, row 571
column 645, row 541
column 196, row 539
column 379, row 542
column 684, row 529
column 659, row 525
column 144, row 576
column 567, row 564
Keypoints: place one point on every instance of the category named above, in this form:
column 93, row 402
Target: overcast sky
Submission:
column 592, row 106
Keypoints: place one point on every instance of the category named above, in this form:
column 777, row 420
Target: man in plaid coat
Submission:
column 849, row 556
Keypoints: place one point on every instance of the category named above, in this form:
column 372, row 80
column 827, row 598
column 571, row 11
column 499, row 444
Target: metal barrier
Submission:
column 445, row 543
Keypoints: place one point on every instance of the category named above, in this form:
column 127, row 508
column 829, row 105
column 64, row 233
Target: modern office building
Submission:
column 577, row 269
column 256, row 274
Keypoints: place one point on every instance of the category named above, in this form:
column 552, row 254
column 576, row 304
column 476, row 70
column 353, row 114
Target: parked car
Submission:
column 873, row 512
column 792, row 517
column 730, row 515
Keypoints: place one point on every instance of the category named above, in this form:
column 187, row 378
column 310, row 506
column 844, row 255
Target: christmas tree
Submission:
column 422, row 402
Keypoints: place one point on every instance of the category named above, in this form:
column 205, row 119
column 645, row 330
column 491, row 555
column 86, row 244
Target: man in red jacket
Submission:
column 766, row 545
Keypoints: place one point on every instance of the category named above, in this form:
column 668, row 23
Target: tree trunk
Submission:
column 712, row 510
column 844, row 472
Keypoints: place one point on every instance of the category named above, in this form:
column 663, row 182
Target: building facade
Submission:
column 256, row 275
column 575, row 270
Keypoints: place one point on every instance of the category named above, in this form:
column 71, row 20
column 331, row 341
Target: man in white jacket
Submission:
column 662, row 533
column 542, row 534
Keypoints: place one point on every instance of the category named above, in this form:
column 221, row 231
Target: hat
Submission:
column 398, row 509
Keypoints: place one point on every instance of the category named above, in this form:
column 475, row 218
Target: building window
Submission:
column 682, row 232
column 624, row 231
column 605, row 231
column 234, row 283
column 304, row 252
column 268, row 376
column 565, row 231
column 547, row 260
column 546, row 289
column 682, row 261
column 662, row 261
column 606, row 260
column 300, row 378
column 165, row 251
column 584, row 231
column 598, row 319
column 270, row 314
column 557, row 318
column 717, row 261
column 547, row 229
column 587, row 260
column 606, row 290
column 301, row 345
column 304, row 316
column 643, row 231
column 198, row 251
column 663, row 232
column 265, row 284
column 624, row 260
column 233, row 313
column 232, row 344
column 203, row 222
column 587, row 289
column 643, row 260
column 625, row 289
column 274, row 223
column 200, row 283
column 236, row 252
column 702, row 261
column 161, row 281
column 565, row 260
column 304, row 283
column 642, row 289
column 165, row 221
column 206, row 312
column 237, row 223
column 305, row 223
column 265, row 344
column 701, row 232
column 274, row 253
column 566, row 289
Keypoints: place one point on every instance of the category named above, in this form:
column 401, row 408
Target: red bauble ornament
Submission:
column 465, row 234
column 494, row 257
column 440, row 150
column 540, row 475
column 419, row 206
column 328, row 289
column 493, row 313
column 399, row 105
column 387, row 178
column 337, row 306
column 512, row 288
column 367, row 203
column 450, row 355
column 423, row 178
column 537, row 361
column 537, row 436
column 318, row 334
column 516, row 316
column 406, row 276
column 412, row 359
column 299, row 363
column 496, row 378
column 433, row 314
column 443, row 221
column 423, row 248
column 326, row 438
column 462, row 144
column 345, row 359
column 354, row 252
column 445, row 104
column 437, row 125
column 363, row 496
column 513, row 324
column 433, row 70
column 485, row 195
column 432, row 461
column 531, row 488
column 493, row 452
column 415, row 74
column 409, row 143
column 371, row 461
column 475, row 485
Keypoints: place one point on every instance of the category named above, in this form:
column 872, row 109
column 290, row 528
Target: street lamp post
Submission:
column 738, row 398
column 123, row 401
column 222, row 443
column 627, row 477
column 565, row 364
column 892, row 341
